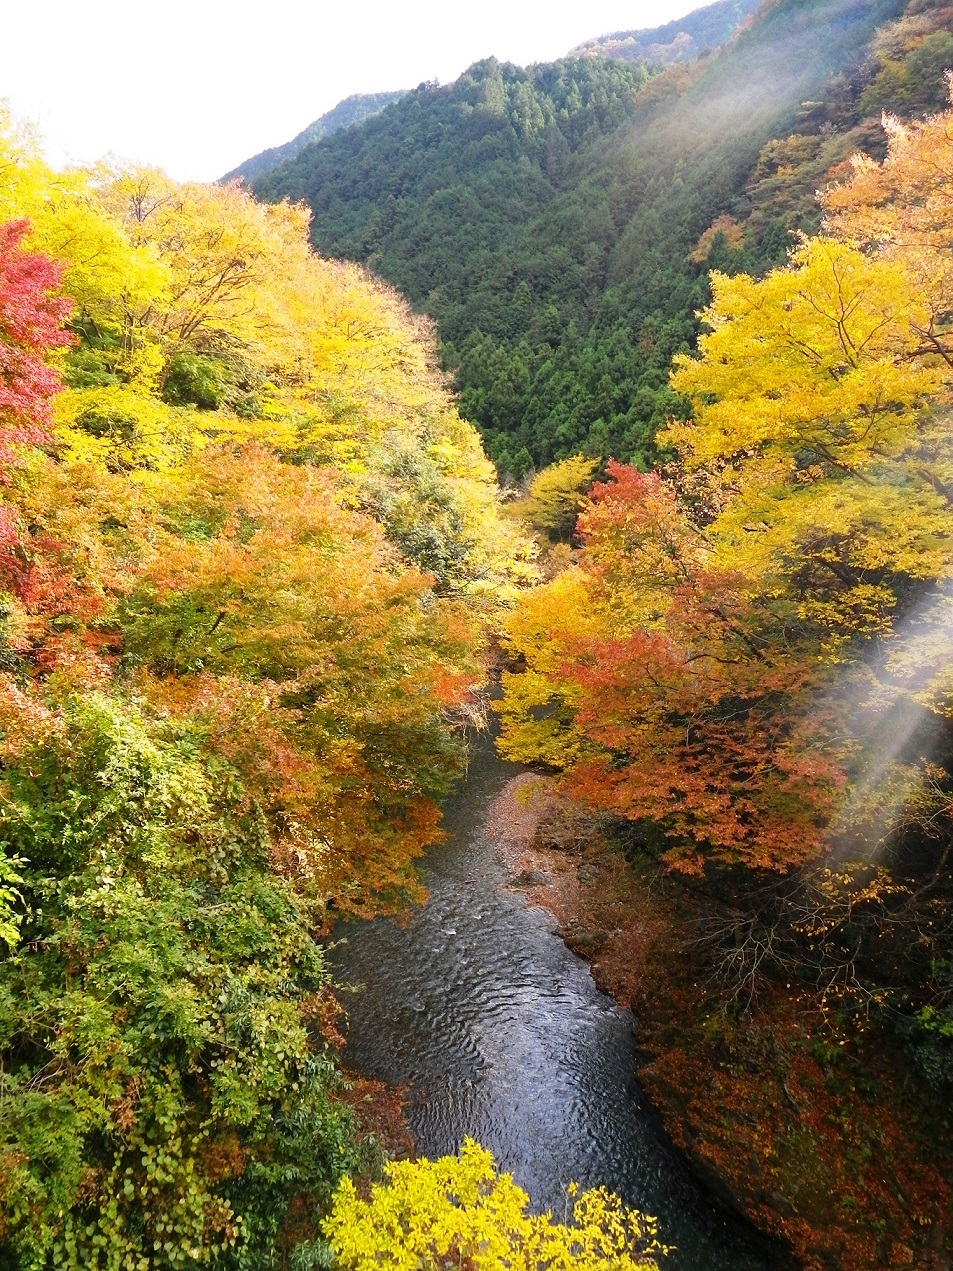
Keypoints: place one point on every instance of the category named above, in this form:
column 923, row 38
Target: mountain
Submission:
column 353, row 110
column 677, row 41
column 559, row 222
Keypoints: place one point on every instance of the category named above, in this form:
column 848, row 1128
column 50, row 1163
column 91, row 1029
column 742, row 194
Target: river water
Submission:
column 501, row 1034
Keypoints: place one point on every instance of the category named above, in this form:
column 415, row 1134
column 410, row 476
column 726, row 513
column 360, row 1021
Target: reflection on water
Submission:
column 502, row 1035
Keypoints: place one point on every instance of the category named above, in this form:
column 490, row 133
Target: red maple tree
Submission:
column 31, row 325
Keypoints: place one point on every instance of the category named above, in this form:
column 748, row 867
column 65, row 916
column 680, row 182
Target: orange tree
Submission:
column 668, row 691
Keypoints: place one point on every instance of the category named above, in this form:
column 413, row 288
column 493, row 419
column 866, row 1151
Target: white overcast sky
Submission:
column 196, row 86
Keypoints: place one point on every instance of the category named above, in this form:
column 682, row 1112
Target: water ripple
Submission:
column 501, row 1034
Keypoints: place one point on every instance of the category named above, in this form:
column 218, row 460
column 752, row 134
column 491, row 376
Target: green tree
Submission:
column 166, row 1096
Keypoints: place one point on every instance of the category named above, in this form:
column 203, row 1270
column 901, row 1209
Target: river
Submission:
column 501, row 1034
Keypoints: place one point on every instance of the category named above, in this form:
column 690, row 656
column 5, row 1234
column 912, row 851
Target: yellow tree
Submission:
column 811, row 365
column 817, row 405
column 900, row 209
column 557, row 494
column 458, row 1211
column 204, row 548
column 104, row 272
column 204, row 315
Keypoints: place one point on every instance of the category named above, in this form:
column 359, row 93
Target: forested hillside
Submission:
column 253, row 561
column 353, row 110
column 559, row 222
column 745, row 671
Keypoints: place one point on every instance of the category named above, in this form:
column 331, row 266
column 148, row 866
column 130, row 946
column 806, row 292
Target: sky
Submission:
column 196, row 86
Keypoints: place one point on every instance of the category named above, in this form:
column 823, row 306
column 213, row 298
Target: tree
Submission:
column 457, row 1210
column 557, row 493
column 900, row 210
column 31, row 327
column 280, row 622
column 668, row 692
column 228, row 688
column 714, row 669
column 166, row 1095
column 810, row 364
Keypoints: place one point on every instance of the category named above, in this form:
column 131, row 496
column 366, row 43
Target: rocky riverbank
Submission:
column 818, row 1142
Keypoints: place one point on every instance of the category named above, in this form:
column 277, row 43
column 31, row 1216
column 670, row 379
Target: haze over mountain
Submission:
column 678, row 41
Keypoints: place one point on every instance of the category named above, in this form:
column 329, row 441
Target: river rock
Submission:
column 586, row 941
column 536, row 878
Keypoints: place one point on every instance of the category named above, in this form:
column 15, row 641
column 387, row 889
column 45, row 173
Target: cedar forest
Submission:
column 256, row 571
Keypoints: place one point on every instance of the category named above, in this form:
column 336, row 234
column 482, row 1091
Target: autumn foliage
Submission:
column 746, row 673
column 31, row 324
column 248, row 549
column 671, row 701
column 459, row 1210
column 713, row 668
